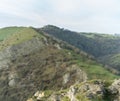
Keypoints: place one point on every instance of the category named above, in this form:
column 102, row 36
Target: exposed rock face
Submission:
column 71, row 94
column 93, row 89
column 66, row 78
column 39, row 95
column 86, row 91
column 96, row 90
column 30, row 99
column 12, row 79
column 114, row 90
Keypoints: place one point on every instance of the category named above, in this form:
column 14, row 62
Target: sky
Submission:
column 102, row 16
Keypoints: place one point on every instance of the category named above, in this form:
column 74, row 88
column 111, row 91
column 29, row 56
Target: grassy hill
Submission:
column 102, row 46
column 15, row 35
column 6, row 32
column 37, row 61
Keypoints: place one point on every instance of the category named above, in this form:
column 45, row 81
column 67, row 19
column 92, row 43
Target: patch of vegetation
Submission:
column 17, row 35
column 8, row 31
column 81, row 97
column 65, row 98
column 93, row 69
column 48, row 93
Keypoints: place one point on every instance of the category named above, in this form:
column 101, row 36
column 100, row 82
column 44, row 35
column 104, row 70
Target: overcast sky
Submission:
column 78, row 15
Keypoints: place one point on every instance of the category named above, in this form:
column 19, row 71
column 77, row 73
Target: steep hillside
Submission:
column 31, row 61
column 102, row 46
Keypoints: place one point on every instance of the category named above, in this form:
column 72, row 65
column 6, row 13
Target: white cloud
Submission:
column 82, row 15
column 21, row 9
column 73, row 5
column 64, row 6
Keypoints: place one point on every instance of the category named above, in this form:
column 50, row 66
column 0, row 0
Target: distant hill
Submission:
column 104, row 47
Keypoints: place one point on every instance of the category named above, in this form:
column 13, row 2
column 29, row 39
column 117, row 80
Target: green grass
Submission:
column 6, row 32
column 93, row 69
column 96, row 71
column 81, row 97
column 65, row 98
column 16, row 36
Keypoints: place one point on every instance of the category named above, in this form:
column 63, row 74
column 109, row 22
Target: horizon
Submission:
column 96, row 16
column 60, row 28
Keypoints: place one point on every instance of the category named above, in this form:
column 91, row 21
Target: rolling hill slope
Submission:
column 102, row 46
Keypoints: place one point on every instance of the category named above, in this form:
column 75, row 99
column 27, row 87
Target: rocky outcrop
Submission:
column 114, row 90
column 39, row 95
column 95, row 90
column 71, row 94
column 88, row 91
column 12, row 79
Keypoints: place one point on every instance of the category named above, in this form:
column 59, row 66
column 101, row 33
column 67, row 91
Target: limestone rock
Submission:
column 94, row 90
column 55, row 97
column 12, row 79
column 39, row 95
column 66, row 78
column 12, row 83
column 30, row 99
column 114, row 90
column 71, row 94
